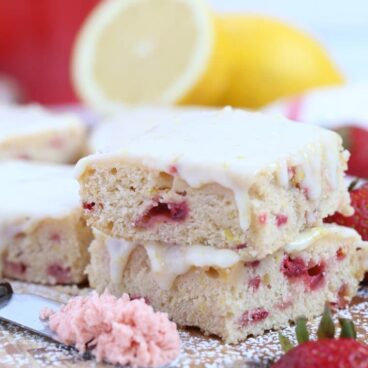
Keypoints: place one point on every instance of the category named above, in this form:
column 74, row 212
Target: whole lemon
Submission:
column 270, row 59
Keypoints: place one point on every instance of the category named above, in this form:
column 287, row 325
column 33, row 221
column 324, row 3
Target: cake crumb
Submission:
column 116, row 330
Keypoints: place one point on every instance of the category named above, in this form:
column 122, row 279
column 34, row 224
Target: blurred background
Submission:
column 36, row 37
column 342, row 26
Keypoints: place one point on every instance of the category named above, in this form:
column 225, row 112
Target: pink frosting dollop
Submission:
column 116, row 330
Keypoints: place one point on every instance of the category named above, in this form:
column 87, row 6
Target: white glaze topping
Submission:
column 115, row 132
column 310, row 236
column 119, row 252
column 231, row 147
column 31, row 191
column 167, row 261
column 170, row 261
column 19, row 121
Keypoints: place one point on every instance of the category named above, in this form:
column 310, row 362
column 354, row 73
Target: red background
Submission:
column 36, row 38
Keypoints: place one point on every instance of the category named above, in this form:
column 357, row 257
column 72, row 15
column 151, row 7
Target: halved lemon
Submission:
column 149, row 51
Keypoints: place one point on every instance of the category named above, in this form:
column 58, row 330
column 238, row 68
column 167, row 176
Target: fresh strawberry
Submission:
column 341, row 353
column 326, row 352
column 356, row 141
column 359, row 220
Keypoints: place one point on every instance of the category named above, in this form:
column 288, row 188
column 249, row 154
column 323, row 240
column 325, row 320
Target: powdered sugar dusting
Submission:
column 23, row 349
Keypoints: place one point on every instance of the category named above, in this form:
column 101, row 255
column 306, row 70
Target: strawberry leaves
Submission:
column 285, row 343
column 347, row 329
column 354, row 184
column 301, row 330
column 326, row 330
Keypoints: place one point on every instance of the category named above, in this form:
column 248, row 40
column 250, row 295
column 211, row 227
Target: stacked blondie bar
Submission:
column 216, row 218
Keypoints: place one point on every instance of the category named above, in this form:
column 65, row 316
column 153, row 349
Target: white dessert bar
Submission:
column 228, row 179
column 33, row 133
column 43, row 237
column 216, row 291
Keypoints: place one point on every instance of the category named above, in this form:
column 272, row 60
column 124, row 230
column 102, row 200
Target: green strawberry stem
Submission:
column 326, row 328
column 347, row 329
column 353, row 184
column 301, row 330
column 285, row 343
